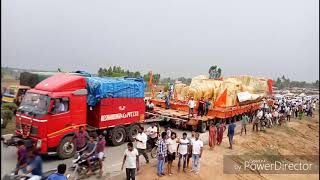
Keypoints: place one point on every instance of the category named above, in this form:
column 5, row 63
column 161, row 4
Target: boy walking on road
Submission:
column 141, row 139
column 131, row 156
column 231, row 128
column 197, row 147
column 244, row 122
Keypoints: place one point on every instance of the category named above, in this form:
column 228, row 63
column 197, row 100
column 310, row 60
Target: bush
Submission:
column 9, row 106
column 7, row 116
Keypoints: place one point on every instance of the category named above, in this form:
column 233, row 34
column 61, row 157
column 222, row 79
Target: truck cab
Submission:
column 52, row 112
column 14, row 94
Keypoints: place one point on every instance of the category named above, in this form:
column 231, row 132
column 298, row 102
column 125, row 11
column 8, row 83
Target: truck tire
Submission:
column 133, row 131
column 118, row 136
column 66, row 148
column 203, row 127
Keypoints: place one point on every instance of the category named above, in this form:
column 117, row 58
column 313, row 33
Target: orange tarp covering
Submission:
column 221, row 101
column 270, row 85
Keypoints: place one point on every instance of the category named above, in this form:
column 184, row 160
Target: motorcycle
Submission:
column 14, row 176
column 151, row 147
column 80, row 164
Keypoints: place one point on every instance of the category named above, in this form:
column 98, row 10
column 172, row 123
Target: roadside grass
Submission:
column 11, row 126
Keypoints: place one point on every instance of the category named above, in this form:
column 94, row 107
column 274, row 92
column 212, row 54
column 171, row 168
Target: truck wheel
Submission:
column 203, row 127
column 133, row 131
column 66, row 148
column 118, row 136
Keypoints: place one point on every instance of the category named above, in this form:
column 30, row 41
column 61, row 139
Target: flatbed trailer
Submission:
column 178, row 114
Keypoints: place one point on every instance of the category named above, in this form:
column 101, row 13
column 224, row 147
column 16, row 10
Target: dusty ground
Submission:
column 299, row 137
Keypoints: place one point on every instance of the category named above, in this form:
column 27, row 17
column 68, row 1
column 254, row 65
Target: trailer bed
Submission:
column 178, row 114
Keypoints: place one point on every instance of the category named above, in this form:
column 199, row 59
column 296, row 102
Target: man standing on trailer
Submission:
column 208, row 105
column 192, row 105
column 141, row 139
column 201, row 107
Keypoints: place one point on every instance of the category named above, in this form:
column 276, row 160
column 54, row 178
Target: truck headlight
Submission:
column 39, row 143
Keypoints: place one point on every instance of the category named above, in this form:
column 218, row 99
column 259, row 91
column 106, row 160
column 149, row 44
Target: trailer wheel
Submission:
column 203, row 127
column 133, row 131
column 118, row 136
column 66, row 148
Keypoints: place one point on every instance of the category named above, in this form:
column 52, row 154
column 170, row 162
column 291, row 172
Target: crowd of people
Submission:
column 169, row 146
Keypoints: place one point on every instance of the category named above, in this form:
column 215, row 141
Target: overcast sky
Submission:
column 172, row 37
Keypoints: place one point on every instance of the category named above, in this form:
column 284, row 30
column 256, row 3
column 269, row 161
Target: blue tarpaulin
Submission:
column 99, row 88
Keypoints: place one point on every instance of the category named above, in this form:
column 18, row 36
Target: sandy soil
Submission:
column 299, row 137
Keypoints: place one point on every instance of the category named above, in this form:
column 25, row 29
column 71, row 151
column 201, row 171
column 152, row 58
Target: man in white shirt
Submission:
column 153, row 133
column 131, row 156
column 141, row 139
column 259, row 114
column 183, row 150
column 150, row 105
column 192, row 105
column 172, row 150
column 197, row 147
column 58, row 106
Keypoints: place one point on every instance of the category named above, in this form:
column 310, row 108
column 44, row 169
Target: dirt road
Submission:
column 299, row 137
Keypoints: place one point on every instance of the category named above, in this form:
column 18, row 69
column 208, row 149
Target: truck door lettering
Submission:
column 108, row 117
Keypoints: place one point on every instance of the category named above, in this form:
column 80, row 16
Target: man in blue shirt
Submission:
column 35, row 165
column 161, row 153
column 231, row 129
column 60, row 174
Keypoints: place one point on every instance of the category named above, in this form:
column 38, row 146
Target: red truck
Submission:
column 39, row 124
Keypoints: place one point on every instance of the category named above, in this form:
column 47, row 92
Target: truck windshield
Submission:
column 34, row 104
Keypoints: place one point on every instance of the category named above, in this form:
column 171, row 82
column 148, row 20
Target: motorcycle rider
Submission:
column 91, row 148
column 60, row 174
column 100, row 152
column 35, row 165
column 22, row 157
column 81, row 138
